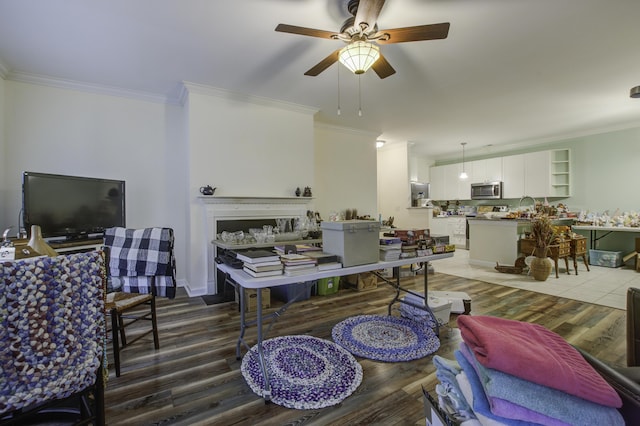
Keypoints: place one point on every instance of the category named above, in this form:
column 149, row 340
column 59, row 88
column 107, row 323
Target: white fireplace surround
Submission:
column 218, row 209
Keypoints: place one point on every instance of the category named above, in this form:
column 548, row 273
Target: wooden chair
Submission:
column 52, row 331
column 126, row 309
column 141, row 266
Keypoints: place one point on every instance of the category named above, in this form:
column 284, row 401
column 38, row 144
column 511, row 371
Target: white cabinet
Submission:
column 531, row 174
column 457, row 227
column 536, row 174
column 487, row 170
column 436, row 176
column 513, row 176
column 446, row 183
column 438, row 226
column 453, row 226
column 560, row 173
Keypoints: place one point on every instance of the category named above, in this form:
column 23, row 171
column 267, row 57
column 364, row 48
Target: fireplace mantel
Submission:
column 217, row 209
column 254, row 200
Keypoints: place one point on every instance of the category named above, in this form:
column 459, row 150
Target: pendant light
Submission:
column 463, row 175
column 635, row 92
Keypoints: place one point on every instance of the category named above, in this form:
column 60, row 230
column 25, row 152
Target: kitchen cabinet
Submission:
column 446, row 183
column 527, row 174
column 560, row 173
column 436, row 178
column 487, row 170
column 537, row 174
column 455, row 227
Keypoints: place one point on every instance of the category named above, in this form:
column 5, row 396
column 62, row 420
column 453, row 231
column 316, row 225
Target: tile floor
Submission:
column 603, row 286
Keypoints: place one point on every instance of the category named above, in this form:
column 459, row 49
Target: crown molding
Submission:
column 60, row 83
column 189, row 87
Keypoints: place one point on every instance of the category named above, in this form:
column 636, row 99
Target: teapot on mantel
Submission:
column 207, row 190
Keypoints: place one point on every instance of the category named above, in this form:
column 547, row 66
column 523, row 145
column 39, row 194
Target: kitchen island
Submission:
column 497, row 239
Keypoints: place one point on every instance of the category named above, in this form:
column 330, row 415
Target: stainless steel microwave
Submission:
column 486, row 191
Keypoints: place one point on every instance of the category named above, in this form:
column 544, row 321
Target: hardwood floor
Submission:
column 195, row 379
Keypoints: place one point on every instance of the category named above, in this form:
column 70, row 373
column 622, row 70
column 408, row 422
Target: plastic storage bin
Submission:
column 328, row 286
column 610, row 259
column 356, row 242
column 286, row 293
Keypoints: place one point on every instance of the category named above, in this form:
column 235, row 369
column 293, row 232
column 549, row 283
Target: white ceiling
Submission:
column 511, row 72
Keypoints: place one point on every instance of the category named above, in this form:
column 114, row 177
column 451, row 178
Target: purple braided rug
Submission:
column 385, row 338
column 305, row 372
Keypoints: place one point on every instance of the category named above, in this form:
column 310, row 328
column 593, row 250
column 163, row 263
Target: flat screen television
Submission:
column 72, row 207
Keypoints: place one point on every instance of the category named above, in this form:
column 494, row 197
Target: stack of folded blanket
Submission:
column 509, row 372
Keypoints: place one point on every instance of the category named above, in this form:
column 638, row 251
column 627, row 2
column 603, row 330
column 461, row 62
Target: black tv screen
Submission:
column 72, row 206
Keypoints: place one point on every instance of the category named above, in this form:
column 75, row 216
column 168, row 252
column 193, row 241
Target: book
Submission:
column 256, row 256
column 322, row 257
column 329, row 266
column 300, row 266
column 267, row 263
column 266, row 266
column 262, row 274
column 294, row 257
column 301, row 271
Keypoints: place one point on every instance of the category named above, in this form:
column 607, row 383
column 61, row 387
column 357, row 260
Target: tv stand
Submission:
column 76, row 245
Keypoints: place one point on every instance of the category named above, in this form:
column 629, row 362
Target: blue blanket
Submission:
column 536, row 402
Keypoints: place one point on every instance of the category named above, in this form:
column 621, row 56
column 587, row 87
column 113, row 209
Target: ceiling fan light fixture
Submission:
column 635, row 92
column 359, row 56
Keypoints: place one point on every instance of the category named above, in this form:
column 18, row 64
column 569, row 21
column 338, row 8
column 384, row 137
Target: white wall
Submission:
column 394, row 190
column 243, row 147
column 70, row 132
column 345, row 171
column 4, row 211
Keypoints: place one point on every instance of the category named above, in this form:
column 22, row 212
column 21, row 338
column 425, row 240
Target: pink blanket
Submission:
column 534, row 353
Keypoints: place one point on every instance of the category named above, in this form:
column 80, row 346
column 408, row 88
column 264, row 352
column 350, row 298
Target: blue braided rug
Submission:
column 305, row 372
column 385, row 338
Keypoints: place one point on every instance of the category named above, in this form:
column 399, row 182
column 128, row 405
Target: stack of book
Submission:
column 325, row 261
column 390, row 248
column 298, row 264
column 260, row 263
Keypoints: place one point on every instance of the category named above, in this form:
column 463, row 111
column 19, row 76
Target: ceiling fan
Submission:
column 360, row 32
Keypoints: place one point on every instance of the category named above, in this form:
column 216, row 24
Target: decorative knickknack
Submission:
column 543, row 234
column 37, row 243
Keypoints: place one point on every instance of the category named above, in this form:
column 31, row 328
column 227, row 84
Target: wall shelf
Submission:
column 560, row 173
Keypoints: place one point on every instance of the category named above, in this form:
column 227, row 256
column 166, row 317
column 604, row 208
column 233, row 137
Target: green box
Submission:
column 328, row 286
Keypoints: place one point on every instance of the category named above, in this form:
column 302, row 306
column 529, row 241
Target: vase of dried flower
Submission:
column 540, row 268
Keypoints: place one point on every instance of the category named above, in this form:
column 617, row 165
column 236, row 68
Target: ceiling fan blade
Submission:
column 368, row 12
column 284, row 28
column 418, row 33
column 383, row 68
column 323, row 64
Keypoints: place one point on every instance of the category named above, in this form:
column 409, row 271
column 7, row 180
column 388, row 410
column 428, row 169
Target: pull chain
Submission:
column 359, row 98
column 338, row 89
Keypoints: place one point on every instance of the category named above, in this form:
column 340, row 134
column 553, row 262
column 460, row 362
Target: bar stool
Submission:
column 579, row 249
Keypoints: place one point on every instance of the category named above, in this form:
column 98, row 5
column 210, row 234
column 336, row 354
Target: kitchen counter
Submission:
column 496, row 240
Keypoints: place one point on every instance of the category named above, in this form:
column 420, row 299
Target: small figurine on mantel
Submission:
column 307, row 191
column 298, row 192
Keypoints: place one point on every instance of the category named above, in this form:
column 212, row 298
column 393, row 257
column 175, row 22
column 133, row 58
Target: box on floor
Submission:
column 251, row 299
column 363, row 281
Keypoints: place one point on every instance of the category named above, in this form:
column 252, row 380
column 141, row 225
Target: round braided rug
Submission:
column 385, row 338
column 305, row 372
